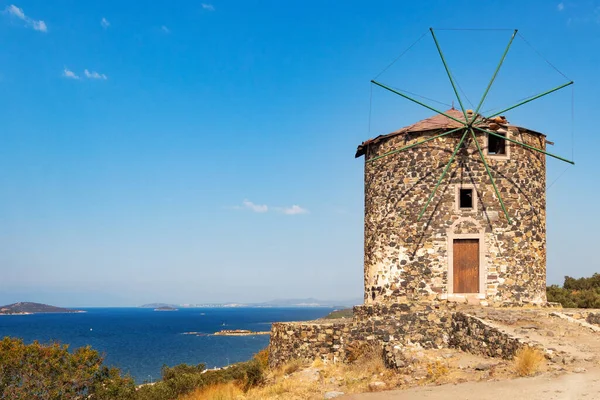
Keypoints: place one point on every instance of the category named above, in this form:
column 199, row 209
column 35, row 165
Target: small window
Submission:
column 466, row 198
column 496, row 145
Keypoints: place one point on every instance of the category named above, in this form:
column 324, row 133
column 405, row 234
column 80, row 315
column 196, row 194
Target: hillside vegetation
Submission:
column 576, row 293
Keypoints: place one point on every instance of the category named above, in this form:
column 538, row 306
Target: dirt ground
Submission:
column 543, row 387
column 573, row 373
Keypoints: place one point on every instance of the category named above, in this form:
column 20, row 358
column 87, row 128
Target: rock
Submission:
column 377, row 385
column 550, row 333
column 447, row 356
column 333, row 395
column 483, row 367
column 530, row 327
column 579, row 370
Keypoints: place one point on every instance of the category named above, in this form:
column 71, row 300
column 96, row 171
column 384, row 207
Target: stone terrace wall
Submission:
column 477, row 336
column 399, row 323
column 308, row 341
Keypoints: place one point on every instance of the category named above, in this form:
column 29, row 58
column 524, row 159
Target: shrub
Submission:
column 527, row 361
column 51, row 372
column 292, row 366
column 363, row 350
column 436, row 370
column 262, row 357
column 184, row 379
column 576, row 293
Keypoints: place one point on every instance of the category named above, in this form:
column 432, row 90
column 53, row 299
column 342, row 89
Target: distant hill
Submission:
column 158, row 305
column 165, row 308
column 32, row 308
column 308, row 302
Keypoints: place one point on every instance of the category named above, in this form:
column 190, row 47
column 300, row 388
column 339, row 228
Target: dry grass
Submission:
column 284, row 389
column 224, row 391
column 292, row 366
column 436, row 370
column 527, row 361
column 299, row 380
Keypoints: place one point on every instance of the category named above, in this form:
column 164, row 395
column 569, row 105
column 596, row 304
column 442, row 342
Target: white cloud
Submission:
column 560, row 6
column 165, row 29
column 257, row 208
column 17, row 12
column 94, row 75
column 67, row 73
column 294, row 210
column 263, row 208
column 40, row 26
column 104, row 23
column 208, row 7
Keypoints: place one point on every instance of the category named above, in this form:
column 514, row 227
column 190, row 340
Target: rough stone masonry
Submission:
column 406, row 260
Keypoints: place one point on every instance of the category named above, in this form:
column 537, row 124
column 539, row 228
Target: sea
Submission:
column 140, row 341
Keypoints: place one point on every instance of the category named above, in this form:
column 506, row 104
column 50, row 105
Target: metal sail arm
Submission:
column 524, row 145
column 462, row 107
column 487, row 169
column 418, row 102
column 414, row 144
column 531, row 99
column 462, row 139
column 495, row 74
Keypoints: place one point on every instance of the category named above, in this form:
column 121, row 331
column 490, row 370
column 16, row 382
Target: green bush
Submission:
column 51, row 372
column 183, row 379
column 576, row 293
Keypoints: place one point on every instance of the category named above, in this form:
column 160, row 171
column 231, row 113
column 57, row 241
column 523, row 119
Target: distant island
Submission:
column 158, row 305
column 240, row 332
column 26, row 308
column 165, row 308
column 230, row 332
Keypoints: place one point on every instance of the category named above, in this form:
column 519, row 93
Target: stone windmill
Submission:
column 455, row 207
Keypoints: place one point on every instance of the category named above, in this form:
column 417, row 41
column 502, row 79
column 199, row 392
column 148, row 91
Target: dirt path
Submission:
column 544, row 387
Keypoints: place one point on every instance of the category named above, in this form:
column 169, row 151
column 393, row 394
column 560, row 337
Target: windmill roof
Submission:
column 438, row 122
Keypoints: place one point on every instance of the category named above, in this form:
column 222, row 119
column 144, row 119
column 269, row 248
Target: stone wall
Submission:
column 399, row 323
column 474, row 335
column 308, row 341
column 395, row 328
column 408, row 260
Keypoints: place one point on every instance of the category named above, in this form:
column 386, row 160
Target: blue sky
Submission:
column 204, row 152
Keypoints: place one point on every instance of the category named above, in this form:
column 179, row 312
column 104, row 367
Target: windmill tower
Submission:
column 455, row 207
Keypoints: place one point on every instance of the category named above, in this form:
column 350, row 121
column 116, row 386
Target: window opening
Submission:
column 466, row 198
column 496, row 145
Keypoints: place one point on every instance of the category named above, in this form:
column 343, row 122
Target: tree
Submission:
column 51, row 372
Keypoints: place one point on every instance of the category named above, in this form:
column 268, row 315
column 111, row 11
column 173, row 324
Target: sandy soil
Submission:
column 577, row 349
column 544, row 387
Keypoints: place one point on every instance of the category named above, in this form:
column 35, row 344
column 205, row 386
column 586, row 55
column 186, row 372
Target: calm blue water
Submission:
column 140, row 341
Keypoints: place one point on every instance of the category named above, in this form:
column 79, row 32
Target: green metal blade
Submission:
column 462, row 139
column 462, row 107
column 524, row 145
column 418, row 102
column 414, row 144
column 531, row 99
column 495, row 74
column 487, row 169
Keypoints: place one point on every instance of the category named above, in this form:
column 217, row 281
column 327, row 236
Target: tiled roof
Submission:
column 438, row 122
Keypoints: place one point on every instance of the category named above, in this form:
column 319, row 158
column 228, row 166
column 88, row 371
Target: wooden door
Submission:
column 466, row 266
